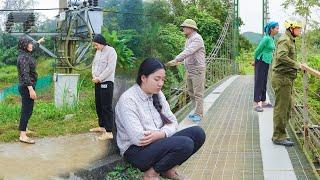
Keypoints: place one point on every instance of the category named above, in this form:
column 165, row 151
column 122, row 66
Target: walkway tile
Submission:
column 231, row 150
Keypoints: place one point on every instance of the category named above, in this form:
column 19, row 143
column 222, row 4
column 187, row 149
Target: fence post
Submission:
column 305, row 108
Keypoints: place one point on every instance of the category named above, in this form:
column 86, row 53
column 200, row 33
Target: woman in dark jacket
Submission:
column 26, row 65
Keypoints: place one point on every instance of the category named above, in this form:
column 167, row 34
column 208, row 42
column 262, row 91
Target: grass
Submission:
column 124, row 172
column 9, row 73
column 47, row 120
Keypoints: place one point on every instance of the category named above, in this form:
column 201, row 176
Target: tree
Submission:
column 209, row 27
column 313, row 37
column 244, row 43
column 216, row 8
column 8, row 49
column 158, row 12
column 304, row 9
column 132, row 17
column 111, row 18
column 178, row 7
column 169, row 42
column 125, row 55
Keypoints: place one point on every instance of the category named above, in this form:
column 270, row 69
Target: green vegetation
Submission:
column 313, row 85
column 48, row 120
column 245, row 59
column 9, row 74
column 124, row 172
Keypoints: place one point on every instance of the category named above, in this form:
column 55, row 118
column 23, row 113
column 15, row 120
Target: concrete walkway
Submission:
column 271, row 153
column 231, row 150
column 238, row 144
column 50, row 157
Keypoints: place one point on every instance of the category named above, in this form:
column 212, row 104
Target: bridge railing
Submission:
column 305, row 120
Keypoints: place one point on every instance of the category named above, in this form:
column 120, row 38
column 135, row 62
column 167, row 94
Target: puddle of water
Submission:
column 50, row 157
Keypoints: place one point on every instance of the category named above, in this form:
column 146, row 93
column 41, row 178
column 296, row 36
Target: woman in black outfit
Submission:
column 26, row 65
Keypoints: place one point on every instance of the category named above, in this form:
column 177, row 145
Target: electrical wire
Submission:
column 54, row 9
column 21, row 10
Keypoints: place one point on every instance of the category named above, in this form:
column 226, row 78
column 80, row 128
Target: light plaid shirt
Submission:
column 194, row 54
column 104, row 64
column 135, row 114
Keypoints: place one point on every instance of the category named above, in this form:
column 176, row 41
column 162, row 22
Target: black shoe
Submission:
column 284, row 142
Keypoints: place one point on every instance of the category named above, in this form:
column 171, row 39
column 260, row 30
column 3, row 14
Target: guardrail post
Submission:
column 305, row 108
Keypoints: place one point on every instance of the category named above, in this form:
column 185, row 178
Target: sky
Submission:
column 42, row 4
column 251, row 14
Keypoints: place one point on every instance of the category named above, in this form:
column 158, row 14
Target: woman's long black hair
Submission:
column 147, row 67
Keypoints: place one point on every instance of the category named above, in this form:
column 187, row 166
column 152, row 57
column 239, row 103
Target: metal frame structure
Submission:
column 77, row 22
column 76, row 25
column 27, row 19
column 265, row 14
column 235, row 27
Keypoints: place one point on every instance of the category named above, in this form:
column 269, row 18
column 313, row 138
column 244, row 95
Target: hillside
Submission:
column 253, row 37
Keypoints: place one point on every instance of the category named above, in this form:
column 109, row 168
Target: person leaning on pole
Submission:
column 193, row 56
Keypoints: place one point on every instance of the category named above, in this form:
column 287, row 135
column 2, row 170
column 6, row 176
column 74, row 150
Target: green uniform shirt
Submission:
column 285, row 62
column 265, row 49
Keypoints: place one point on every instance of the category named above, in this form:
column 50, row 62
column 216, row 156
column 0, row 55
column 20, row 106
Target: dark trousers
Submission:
column 26, row 108
column 260, row 80
column 283, row 90
column 166, row 153
column 103, row 98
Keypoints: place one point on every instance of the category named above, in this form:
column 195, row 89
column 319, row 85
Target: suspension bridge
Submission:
column 238, row 144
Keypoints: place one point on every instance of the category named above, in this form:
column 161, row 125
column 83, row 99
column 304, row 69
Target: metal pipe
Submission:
column 36, row 34
column 43, row 48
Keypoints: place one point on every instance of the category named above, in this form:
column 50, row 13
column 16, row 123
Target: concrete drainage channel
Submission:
column 98, row 170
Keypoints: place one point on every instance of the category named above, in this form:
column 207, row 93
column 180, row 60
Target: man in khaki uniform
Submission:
column 193, row 56
column 285, row 68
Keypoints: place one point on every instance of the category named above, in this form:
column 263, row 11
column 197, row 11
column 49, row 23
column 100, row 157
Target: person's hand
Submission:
column 41, row 40
column 303, row 66
column 151, row 136
column 172, row 63
column 95, row 80
column 253, row 63
column 32, row 93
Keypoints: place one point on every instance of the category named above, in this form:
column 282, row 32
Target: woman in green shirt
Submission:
column 263, row 58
